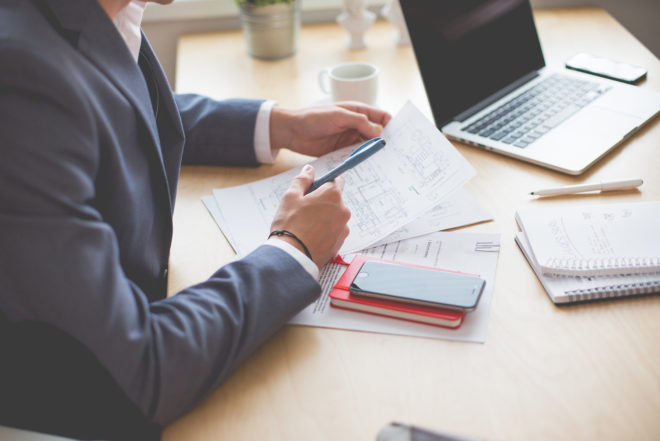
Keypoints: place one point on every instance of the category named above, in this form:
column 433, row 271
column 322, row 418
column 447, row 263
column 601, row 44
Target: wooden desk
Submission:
column 582, row 372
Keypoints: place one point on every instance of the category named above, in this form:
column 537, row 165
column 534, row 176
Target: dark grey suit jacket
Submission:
column 90, row 149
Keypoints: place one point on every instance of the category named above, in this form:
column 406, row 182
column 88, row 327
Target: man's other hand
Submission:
column 318, row 130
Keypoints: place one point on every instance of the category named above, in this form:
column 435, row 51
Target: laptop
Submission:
column 11, row 434
column 486, row 80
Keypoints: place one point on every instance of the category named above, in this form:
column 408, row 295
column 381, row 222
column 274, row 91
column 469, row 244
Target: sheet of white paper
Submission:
column 474, row 253
column 414, row 173
column 216, row 212
column 457, row 210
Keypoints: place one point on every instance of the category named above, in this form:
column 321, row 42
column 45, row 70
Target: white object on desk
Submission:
column 593, row 240
column 392, row 11
column 624, row 184
column 566, row 289
column 356, row 19
column 350, row 82
column 417, row 170
column 457, row 210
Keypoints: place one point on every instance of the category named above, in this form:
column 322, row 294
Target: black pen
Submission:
column 359, row 154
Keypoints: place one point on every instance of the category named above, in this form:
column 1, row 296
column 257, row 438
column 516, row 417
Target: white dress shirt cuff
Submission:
column 294, row 252
column 265, row 154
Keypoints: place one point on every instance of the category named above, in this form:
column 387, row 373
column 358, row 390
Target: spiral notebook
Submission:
column 593, row 240
column 571, row 289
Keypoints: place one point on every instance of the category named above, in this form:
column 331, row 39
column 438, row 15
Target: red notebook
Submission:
column 340, row 297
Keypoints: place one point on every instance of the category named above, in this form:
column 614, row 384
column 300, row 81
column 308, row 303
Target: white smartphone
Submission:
column 606, row 68
column 417, row 286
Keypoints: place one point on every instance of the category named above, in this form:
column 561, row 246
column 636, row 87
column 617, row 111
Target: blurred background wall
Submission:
column 164, row 24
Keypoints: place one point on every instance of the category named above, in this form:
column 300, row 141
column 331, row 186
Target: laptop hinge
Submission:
column 496, row 96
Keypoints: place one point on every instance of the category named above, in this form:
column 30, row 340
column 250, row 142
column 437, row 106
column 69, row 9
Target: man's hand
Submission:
column 318, row 219
column 318, row 130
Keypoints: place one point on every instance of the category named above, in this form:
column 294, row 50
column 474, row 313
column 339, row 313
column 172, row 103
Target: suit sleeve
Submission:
column 218, row 132
column 60, row 262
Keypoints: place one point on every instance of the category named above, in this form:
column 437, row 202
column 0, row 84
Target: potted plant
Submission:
column 270, row 27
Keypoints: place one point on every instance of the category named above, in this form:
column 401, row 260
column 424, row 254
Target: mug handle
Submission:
column 324, row 80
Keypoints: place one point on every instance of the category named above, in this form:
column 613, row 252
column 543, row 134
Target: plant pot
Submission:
column 271, row 31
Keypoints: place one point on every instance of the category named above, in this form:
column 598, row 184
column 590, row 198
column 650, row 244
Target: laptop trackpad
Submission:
column 585, row 137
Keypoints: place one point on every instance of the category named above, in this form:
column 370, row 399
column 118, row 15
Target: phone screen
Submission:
column 421, row 286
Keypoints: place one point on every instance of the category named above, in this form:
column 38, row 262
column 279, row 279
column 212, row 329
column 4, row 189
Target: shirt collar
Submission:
column 128, row 23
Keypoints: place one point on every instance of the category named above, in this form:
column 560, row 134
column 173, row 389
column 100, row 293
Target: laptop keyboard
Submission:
column 529, row 116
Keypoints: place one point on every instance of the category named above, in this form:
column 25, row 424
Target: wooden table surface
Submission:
column 582, row 372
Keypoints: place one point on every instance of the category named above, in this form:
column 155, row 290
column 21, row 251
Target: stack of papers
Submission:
column 410, row 189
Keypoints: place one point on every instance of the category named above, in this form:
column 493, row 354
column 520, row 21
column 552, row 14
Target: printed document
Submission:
column 458, row 210
column 416, row 171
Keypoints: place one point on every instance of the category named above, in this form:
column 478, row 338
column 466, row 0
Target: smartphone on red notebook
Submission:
column 417, row 286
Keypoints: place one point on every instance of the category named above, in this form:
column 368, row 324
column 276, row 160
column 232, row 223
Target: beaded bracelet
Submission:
column 292, row 236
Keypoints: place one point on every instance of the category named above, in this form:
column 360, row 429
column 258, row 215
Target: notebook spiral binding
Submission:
column 613, row 265
column 604, row 292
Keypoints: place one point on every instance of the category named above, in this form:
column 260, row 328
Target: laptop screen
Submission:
column 467, row 50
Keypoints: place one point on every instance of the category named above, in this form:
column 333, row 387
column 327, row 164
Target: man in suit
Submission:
column 91, row 143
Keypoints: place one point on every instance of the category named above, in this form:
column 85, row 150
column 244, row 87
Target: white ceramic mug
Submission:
column 350, row 82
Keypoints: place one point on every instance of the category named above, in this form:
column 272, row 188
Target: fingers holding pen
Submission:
column 303, row 181
column 330, row 194
column 336, row 185
column 319, row 219
column 339, row 183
